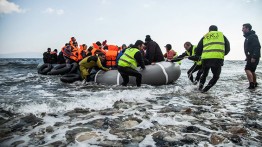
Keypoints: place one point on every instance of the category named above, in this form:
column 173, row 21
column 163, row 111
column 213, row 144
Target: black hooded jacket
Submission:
column 251, row 45
column 153, row 52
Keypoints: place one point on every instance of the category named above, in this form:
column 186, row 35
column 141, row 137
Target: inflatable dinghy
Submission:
column 161, row 73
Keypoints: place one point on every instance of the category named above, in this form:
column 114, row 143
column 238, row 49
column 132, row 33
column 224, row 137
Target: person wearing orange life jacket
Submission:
column 74, row 52
column 69, row 54
column 72, row 41
column 111, row 56
column 82, row 51
column 97, row 47
column 89, row 51
column 170, row 53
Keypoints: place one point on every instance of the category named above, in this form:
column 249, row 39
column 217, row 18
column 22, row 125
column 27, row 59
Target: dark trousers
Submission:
column 126, row 72
column 216, row 70
column 193, row 69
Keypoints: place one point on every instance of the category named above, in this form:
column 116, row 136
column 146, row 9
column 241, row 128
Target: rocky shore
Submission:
column 157, row 122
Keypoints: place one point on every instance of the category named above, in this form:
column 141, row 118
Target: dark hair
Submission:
column 148, row 38
column 187, row 43
column 168, row 46
column 100, row 54
column 98, row 43
column 130, row 45
column 124, row 45
column 213, row 28
column 105, row 47
column 49, row 49
column 55, row 50
column 138, row 42
column 90, row 48
column 247, row 25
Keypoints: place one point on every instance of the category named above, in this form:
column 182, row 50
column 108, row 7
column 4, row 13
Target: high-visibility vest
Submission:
column 128, row 58
column 213, row 45
column 193, row 53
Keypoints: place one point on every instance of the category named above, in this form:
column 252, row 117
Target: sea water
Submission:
column 228, row 111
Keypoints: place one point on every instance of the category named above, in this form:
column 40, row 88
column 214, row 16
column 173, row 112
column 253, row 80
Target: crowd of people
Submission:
column 207, row 54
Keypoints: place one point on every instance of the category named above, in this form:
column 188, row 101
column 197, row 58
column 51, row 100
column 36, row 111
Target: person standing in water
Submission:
column 212, row 48
column 252, row 51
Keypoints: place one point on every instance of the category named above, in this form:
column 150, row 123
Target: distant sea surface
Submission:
column 41, row 110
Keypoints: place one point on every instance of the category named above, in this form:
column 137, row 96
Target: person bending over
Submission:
column 128, row 62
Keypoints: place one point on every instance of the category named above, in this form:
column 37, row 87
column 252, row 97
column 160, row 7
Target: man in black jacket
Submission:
column 153, row 51
column 212, row 48
column 252, row 51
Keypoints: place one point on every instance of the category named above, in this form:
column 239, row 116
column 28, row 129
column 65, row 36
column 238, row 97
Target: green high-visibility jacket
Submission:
column 193, row 53
column 127, row 59
column 213, row 45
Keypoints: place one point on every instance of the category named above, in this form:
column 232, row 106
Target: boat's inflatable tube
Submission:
column 44, row 68
column 70, row 78
column 74, row 67
column 160, row 73
column 60, row 69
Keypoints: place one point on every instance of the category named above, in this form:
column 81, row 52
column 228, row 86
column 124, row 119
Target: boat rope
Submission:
column 118, row 78
column 96, row 75
column 164, row 71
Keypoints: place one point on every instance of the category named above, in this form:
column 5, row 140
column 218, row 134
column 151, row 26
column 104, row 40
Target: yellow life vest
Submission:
column 213, row 45
column 128, row 59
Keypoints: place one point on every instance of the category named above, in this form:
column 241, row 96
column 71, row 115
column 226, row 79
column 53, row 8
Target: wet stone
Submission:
column 170, row 108
column 216, row 139
column 49, row 129
column 16, row 143
column 190, row 129
column 238, row 130
column 254, row 125
column 86, row 136
column 27, row 121
column 110, row 143
column 2, row 120
column 70, row 134
column 122, row 105
column 58, row 124
column 236, row 140
column 57, row 144
column 4, row 132
column 52, row 114
column 107, row 112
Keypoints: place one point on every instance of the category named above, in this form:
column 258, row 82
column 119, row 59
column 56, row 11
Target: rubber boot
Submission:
column 251, row 85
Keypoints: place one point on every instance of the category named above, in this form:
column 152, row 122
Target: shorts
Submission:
column 251, row 66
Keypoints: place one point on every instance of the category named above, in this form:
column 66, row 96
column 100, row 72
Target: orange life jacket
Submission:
column 170, row 54
column 74, row 55
column 111, row 55
column 97, row 49
column 66, row 51
column 82, row 52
